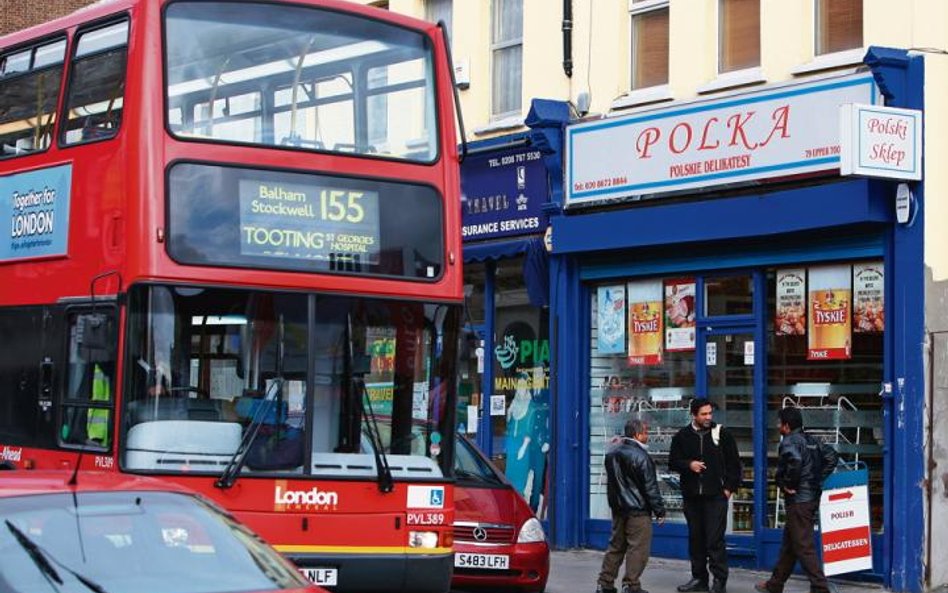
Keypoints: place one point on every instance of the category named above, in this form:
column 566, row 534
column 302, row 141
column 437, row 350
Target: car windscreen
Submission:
column 470, row 465
column 130, row 542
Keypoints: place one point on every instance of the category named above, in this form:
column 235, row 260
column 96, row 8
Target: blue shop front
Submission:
column 713, row 249
column 504, row 388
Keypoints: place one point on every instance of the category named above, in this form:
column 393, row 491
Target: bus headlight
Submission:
column 422, row 539
column 531, row 532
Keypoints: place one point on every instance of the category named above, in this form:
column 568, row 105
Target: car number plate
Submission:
column 322, row 576
column 486, row 561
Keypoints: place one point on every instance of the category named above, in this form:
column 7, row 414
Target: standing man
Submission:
column 633, row 497
column 803, row 465
column 705, row 454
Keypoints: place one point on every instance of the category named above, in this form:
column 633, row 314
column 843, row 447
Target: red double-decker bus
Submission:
column 230, row 257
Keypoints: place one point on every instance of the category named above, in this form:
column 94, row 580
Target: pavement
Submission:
column 576, row 571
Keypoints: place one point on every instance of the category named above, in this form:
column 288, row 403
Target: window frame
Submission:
column 817, row 32
column 495, row 48
column 434, row 78
column 32, row 47
column 69, row 317
column 74, row 58
column 721, row 72
column 647, row 7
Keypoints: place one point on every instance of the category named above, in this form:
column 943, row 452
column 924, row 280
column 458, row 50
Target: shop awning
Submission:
column 536, row 274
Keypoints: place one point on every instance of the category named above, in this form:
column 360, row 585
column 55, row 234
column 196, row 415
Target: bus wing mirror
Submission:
column 93, row 335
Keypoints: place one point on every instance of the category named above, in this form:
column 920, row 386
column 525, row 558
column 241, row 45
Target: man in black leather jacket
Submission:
column 803, row 465
column 705, row 455
column 634, row 498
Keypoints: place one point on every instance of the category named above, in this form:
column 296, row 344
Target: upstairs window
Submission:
column 838, row 25
column 738, row 35
column 649, row 43
column 29, row 92
column 506, row 57
column 97, row 84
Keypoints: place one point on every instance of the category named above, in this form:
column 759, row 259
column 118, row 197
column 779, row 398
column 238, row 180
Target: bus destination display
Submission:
column 289, row 220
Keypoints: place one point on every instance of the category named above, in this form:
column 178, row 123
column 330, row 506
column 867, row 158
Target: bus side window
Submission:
column 90, row 381
column 29, row 87
column 97, row 84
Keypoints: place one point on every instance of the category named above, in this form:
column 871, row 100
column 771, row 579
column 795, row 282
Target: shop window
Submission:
column 838, row 25
column 729, row 295
column 738, row 34
column 636, row 376
column 473, row 347
column 649, row 43
column 519, row 405
column 838, row 393
column 507, row 57
column 824, row 353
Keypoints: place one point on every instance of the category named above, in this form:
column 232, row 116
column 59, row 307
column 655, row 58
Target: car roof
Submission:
column 31, row 482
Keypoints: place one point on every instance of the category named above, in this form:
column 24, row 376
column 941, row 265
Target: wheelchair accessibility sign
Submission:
column 425, row 497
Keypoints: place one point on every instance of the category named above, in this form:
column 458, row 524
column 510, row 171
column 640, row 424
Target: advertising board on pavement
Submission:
column 845, row 533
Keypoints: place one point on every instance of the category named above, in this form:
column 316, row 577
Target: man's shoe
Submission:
column 601, row 589
column 764, row 587
column 693, row 586
column 719, row 587
column 628, row 589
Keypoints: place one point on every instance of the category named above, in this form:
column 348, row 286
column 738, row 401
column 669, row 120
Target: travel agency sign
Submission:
column 786, row 130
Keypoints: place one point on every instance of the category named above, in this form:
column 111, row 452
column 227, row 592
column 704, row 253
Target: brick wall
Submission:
column 19, row 14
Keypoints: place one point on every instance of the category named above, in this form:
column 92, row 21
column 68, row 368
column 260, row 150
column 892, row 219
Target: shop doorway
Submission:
column 729, row 361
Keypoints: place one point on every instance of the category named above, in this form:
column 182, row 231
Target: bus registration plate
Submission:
column 486, row 561
column 321, row 576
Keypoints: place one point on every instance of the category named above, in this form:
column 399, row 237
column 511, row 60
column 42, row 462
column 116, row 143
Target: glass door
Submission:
column 730, row 356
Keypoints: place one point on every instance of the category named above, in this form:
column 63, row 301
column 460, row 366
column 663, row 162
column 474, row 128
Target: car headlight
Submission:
column 532, row 531
column 422, row 539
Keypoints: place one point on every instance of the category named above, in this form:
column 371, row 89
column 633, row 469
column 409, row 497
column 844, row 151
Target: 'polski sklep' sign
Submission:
column 34, row 207
column 878, row 141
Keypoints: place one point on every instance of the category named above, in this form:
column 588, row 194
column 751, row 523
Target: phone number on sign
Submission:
column 600, row 183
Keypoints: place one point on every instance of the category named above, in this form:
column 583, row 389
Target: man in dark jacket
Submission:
column 633, row 497
column 705, row 454
column 802, row 466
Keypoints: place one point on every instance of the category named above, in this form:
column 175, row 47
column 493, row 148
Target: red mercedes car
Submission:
column 498, row 542
column 111, row 533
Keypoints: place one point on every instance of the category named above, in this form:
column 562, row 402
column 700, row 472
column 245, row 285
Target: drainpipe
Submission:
column 568, row 38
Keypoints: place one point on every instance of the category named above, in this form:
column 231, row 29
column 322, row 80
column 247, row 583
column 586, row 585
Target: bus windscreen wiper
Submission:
column 385, row 482
column 262, row 411
column 361, row 393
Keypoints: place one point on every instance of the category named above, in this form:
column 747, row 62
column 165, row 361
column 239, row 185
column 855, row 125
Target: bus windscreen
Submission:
column 305, row 384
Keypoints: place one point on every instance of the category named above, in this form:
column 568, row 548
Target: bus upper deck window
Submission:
column 29, row 90
column 97, row 84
